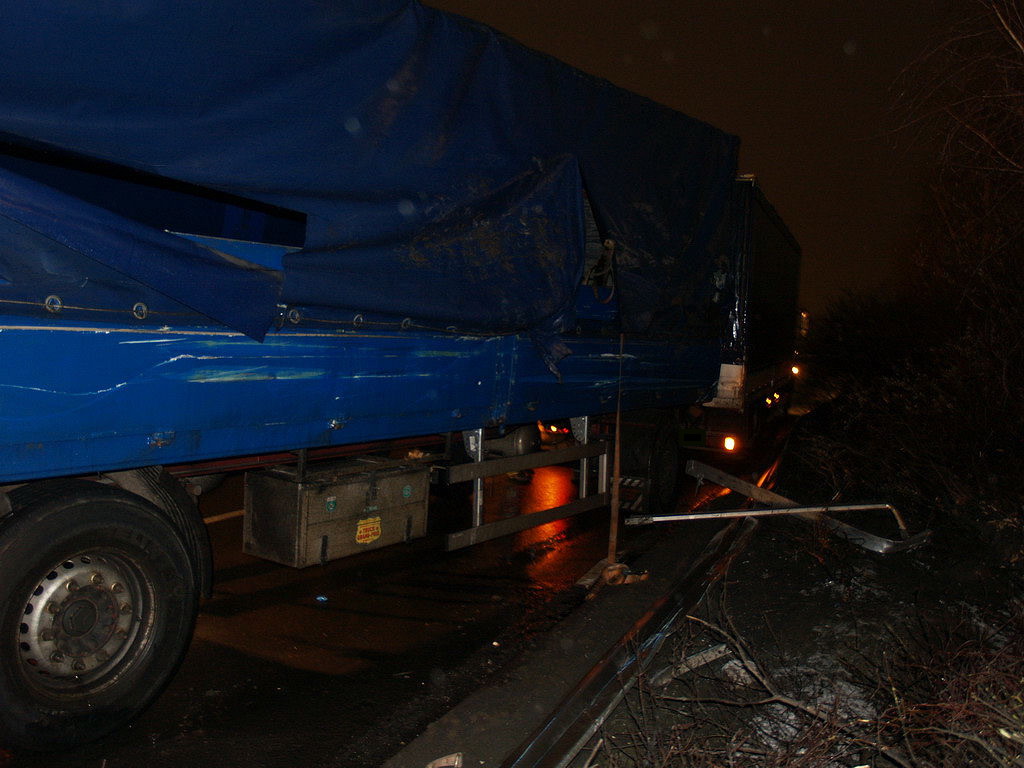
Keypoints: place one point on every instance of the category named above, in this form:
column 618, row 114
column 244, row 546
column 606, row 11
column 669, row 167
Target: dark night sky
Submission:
column 806, row 84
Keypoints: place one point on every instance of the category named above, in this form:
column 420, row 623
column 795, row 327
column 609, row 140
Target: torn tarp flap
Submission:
column 242, row 297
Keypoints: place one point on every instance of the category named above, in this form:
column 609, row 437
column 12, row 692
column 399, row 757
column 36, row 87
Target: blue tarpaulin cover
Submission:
column 438, row 166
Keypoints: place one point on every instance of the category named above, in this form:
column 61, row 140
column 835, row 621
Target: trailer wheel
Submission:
column 97, row 606
column 653, row 453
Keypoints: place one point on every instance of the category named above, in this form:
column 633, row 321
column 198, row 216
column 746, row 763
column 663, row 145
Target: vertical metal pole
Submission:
column 613, row 532
column 602, row 473
column 581, row 431
column 474, row 442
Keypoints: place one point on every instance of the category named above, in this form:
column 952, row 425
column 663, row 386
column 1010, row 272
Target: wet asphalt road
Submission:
column 340, row 665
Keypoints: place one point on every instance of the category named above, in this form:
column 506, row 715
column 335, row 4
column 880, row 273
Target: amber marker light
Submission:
column 729, row 443
column 796, row 370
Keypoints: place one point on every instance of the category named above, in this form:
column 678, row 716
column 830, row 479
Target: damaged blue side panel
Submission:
column 89, row 398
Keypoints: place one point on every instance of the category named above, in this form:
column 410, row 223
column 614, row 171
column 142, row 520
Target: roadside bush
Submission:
column 948, row 691
column 937, row 431
column 916, row 414
column 940, row 692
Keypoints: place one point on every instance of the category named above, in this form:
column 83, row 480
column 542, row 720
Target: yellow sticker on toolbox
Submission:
column 368, row 530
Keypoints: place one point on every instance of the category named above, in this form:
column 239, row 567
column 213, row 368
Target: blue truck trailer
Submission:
column 233, row 231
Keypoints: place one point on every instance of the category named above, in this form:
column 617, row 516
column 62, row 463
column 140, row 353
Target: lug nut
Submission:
column 57, row 657
column 46, row 635
column 71, row 585
column 78, row 666
column 52, row 608
column 126, row 608
column 96, row 578
column 116, row 588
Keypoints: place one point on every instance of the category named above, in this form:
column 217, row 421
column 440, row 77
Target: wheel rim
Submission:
column 83, row 623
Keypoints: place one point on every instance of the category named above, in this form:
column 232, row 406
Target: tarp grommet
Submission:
column 140, row 311
column 53, row 303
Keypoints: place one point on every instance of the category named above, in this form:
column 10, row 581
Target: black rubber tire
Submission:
column 97, row 606
column 155, row 484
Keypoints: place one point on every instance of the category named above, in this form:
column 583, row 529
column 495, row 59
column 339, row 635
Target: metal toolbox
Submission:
column 303, row 517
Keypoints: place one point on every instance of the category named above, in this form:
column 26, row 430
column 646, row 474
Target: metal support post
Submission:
column 602, row 473
column 581, row 432
column 474, row 442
